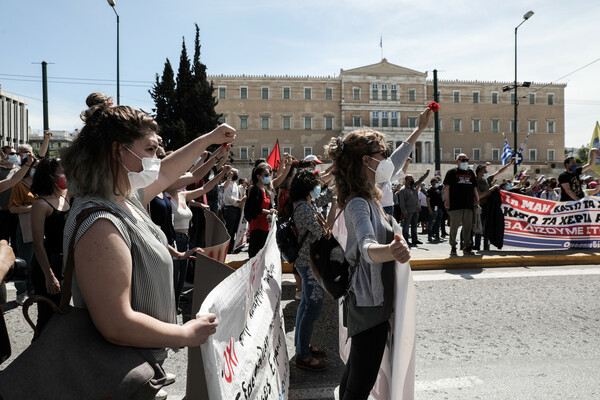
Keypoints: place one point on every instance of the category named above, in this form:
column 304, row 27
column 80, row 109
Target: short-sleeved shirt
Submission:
column 435, row 197
column 21, row 195
column 463, row 184
column 483, row 185
column 574, row 183
column 152, row 290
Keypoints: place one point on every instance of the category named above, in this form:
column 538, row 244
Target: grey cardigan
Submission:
column 365, row 226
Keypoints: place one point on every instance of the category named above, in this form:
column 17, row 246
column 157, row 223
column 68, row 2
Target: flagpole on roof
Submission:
column 381, row 45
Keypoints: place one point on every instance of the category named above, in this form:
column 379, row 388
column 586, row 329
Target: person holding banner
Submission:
column 570, row 180
column 123, row 272
column 360, row 162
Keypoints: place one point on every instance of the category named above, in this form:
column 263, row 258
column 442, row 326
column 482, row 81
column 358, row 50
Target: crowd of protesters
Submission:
column 378, row 185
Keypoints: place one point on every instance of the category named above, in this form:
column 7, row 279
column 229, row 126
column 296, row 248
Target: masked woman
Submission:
column 258, row 206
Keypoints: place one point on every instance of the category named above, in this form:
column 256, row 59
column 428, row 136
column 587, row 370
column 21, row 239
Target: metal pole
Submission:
column 45, row 94
column 118, row 84
column 436, row 121
column 515, row 125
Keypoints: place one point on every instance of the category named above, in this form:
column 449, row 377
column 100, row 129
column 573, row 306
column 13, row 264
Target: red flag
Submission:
column 274, row 158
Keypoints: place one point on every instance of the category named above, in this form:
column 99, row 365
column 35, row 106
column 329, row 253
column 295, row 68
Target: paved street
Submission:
column 499, row 333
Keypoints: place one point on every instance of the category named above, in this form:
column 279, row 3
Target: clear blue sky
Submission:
column 469, row 40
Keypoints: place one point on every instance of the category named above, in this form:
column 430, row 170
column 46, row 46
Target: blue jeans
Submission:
column 309, row 310
column 182, row 242
column 413, row 221
column 24, row 251
column 435, row 220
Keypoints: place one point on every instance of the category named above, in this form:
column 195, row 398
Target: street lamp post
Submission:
column 112, row 3
column 515, row 124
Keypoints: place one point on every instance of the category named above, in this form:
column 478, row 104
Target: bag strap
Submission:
column 65, row 298
column 305, row 233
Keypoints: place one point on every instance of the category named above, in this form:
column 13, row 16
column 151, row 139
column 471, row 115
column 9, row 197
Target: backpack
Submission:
column 328, row 262
column 287, row 240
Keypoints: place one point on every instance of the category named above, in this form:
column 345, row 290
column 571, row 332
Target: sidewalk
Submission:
column 432, row 256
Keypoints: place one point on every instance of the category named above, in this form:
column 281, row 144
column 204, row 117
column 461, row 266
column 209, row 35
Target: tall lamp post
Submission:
column 527, row 15
column 112, row 3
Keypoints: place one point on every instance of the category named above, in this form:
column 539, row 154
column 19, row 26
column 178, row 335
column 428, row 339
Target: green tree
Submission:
column 583, row 153
column 185, row 106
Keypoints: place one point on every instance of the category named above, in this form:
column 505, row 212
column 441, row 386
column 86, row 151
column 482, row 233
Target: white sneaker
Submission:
column 161, row 395
column 170, row 378
column 21, row 297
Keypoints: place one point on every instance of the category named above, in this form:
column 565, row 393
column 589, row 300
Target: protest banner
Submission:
column 247, row 357
column 396, row 377
column 241, row 236
column 543, row 224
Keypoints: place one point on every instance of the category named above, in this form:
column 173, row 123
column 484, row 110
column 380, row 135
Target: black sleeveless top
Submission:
column 53, row 230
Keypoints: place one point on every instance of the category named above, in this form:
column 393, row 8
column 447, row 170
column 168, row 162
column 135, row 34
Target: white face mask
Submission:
column 384, row 170
column 149, row 173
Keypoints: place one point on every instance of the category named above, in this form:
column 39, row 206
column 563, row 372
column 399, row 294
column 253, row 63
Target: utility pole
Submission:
column 436, row 121
column 45, row 94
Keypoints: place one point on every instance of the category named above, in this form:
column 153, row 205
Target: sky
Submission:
column 465, row 40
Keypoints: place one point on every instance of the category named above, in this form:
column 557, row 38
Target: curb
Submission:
column 481, row 261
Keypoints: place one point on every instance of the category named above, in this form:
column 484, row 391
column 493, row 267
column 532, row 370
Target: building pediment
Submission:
column 383, row 68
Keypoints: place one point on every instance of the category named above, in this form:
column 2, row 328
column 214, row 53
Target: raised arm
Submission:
column 194, row 194
column 592, row 161
column 44, row 149
column 20, row 174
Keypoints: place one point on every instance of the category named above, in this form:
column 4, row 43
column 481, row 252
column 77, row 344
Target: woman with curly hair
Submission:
column 361, row 162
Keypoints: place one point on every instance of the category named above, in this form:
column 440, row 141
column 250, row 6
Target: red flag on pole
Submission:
column 274, row 158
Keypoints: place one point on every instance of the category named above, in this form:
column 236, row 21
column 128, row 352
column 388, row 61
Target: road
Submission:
column 514, row 333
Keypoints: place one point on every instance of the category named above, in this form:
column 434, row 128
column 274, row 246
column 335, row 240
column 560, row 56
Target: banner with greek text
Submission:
column 247, row 357
column 543, row 224
column 396, row 376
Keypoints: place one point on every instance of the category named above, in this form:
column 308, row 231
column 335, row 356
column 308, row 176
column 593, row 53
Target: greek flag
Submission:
column 506, row 153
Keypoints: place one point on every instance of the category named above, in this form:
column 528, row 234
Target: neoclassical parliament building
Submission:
column 304, row 112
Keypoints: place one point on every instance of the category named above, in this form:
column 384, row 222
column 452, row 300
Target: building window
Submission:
column 512, row 125
column 287, row 93
column 532, row 126
column 394, row 92
column 532, row 155
column 375, row 119
column 222, row 92
column 512, row 98
column 550, row 99
column 476, row 125
column 243, row 153
column 356, row 92
column 457, row 151
column 531, row 98
column 412, row 122
column 307, row 93
column 412, row 95
column 264, row 123
column 457, row 124
column 494, row 97
column 287, row 150
column 328, row 123
column 495, row 125
column 243, row 93
column 308, row 123
column 307, row 151
column 476, row 154
column 328, row 93
column 264, row 93
column 384, row 92
column 223, row 119
column 286, row 123
column 550, row 126
column 357, row 121
column 385, row 122
column 456, row 96
column 374, row 92
column 475, row 97
column 394, row 119
column 243, row 122
column 264, row 152
column 550, row 154
column 495, row 154
column 439, row 96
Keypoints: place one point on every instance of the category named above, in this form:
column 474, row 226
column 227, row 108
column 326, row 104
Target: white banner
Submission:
column 396, row 377
column 241, row 236
column 247, row 357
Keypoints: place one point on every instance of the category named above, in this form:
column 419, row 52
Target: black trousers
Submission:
column 363, row 363
column 258, row 238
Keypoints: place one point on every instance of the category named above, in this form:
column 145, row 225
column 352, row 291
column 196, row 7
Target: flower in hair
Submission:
column 340, row 143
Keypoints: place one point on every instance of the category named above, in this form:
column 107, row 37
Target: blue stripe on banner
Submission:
column 549, row 244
